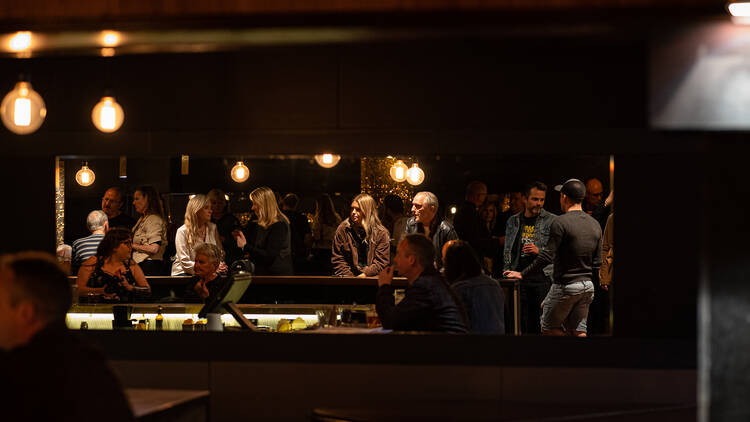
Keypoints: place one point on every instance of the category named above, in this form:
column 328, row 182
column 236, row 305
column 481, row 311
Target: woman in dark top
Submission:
column 268, row 241
column 112, row 272
column 482, row 296
column 206, row 281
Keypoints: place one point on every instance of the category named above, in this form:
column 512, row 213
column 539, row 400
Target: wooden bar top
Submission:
column 149, row 402
column 298, row 280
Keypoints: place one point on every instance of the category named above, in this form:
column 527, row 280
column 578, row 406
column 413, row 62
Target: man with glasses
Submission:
column 111, row 205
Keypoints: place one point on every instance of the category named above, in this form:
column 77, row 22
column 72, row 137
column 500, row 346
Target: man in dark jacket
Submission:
column 426, row 221
column 429, row 304
column 467, row 222
column 48, row 373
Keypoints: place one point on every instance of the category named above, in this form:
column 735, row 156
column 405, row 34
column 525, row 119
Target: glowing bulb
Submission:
column 415, row 175
column 110, row 38
column 398, row 171
column 739, row 9
column 240, row 172
column 327, row 160
column 22, row 112
column 84, row 176
column 453, row 209
column 21, row 41
column 107, row 115
column 23, row 109
column 226, row 197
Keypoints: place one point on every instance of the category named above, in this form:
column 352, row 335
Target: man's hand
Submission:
column 530, row 249
column 513, row 274
column 385, row 276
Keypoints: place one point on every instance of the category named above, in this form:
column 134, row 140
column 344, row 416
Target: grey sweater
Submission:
column 574, row 247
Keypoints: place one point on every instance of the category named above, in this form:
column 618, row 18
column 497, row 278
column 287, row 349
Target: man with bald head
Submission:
column 112, row 202
column 594, row 204
column 467, row 221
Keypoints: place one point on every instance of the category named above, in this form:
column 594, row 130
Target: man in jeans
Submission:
column 574, row 247
column 526, row 233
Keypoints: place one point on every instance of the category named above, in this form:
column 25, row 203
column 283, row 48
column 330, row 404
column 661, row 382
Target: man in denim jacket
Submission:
column 526, row 233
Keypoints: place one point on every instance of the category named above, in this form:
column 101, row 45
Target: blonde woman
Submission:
column 198, row 228
column 361, row 246
column 267, row 242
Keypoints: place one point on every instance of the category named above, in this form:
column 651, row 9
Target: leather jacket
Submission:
column 440, row 236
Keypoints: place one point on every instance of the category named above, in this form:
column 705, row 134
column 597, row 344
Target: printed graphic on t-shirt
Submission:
column 527, row 236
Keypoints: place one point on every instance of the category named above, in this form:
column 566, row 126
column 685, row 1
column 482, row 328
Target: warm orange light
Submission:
column 398, row 171
column 327, row 160
column 415, row 175
column 21, row 41
column 110, row 38
column 240, row 172
column 107, row 115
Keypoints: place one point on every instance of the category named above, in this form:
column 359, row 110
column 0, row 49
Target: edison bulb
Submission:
column 107, row 115
column 240, row 172
column 23, row 109
column 327, row 160
column 415, row 175
column 21, row 41
column 398, row 171
column 84, row 176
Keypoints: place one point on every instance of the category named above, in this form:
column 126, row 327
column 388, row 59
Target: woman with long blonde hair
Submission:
column 361, row 246
column 267, row 242
column 197, row 229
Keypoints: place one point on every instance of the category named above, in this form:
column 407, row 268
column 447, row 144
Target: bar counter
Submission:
column 268, row 300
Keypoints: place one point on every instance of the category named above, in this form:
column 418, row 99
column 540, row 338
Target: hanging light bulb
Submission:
column 240, row 172
column 84, row 176
column 23, row 109
column 20, row 41
column 398, row 171
column 415, row 175
column 327, row 160
column 107, row 115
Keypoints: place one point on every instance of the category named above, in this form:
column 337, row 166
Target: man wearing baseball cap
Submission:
column 574, row 247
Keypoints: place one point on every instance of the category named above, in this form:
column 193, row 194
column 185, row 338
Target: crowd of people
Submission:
column 467, row 252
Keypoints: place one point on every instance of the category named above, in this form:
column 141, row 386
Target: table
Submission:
column 168, row 405
column 514, row 285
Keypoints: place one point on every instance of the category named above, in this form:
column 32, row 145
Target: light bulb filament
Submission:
column 108, row 117
column 85, row 177
column 399, row 173
column 327, row 158
column 22, row 112
column 240, row 173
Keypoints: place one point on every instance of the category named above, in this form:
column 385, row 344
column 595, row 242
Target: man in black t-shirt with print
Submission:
column 526, row 233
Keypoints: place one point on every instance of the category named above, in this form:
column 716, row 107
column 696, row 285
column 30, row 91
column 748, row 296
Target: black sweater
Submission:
column 574, row 247
column 270, row 248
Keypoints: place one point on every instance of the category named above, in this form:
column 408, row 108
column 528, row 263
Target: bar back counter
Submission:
column 271, row 375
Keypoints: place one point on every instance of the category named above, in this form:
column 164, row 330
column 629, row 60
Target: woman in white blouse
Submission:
column 197, row 229
column 150, row 232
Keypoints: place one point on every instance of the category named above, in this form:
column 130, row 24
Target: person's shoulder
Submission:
column 343, row 225
column 89, row 262
column 445, row 225
column 548, row 214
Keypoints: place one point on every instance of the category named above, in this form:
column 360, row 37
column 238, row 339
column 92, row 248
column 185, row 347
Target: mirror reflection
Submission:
column 471, row 233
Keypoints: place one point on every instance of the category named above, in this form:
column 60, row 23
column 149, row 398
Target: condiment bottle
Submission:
column 159, row 320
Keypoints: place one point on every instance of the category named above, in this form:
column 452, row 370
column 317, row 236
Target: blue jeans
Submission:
column 566, row 306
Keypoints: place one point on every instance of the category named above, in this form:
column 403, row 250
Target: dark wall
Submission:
column 558, row 98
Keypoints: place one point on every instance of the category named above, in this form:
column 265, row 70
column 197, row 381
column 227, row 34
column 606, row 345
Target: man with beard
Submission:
column 526, row 233
column 111, row 205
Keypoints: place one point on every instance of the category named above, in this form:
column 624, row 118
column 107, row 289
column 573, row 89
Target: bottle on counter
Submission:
column 159, row 320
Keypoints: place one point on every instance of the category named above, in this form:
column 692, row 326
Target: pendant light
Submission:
column 84, row 176
column 415, row 175
column 398, row 171
column 107, row 115
column 240, row 172
column 23, row 109
column 327, row 160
